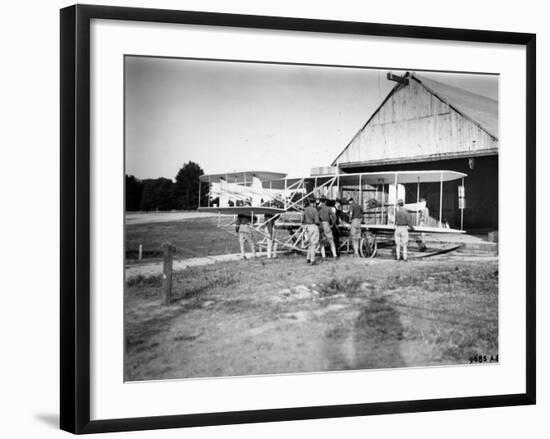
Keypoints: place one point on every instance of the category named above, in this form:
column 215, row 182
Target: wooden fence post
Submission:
column 168, row 256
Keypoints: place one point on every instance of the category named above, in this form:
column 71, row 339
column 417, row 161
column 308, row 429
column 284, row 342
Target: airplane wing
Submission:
column 243, row 210
column 418, row 229
column 244, row 177
column 399, row 177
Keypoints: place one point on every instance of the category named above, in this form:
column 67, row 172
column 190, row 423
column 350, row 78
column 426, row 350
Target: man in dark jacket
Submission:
column 356, row 218
column 269, row 220
column 401, row 234
column 310, row 218
column 327, row 218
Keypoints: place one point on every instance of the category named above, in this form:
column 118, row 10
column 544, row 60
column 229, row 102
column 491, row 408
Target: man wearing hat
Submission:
column 310, row 218
column 356, row 217
column 402, row 224
column 244, row 229
column 269, row 222
column 327, row 218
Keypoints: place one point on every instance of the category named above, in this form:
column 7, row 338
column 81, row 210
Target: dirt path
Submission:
column 155, row 268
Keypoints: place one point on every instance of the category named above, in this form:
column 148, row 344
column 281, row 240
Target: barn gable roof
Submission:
column 481, row 110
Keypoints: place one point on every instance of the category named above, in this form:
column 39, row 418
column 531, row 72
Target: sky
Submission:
column 235, row 116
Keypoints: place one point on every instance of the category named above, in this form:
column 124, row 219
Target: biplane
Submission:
column 272, row 196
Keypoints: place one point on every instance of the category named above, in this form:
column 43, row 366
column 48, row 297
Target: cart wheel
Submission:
column 368, row 245
column 374, row 246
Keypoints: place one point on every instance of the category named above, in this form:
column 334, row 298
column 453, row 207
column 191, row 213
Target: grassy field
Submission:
column 284, row 316
column 192, row 237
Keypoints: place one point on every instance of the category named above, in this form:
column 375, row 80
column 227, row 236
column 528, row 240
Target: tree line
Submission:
column 182, row 193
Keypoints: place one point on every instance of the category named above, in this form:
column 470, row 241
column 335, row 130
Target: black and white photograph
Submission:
column 275, row 219
column 294, row 218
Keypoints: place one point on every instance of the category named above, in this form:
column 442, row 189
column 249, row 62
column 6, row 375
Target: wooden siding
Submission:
column 415, row 123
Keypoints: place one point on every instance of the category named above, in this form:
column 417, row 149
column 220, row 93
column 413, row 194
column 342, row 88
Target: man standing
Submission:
column 310, row 218
column 356, row 217
column 401, row 235
column 327, row 218
column 269, row 221
column 339, row 214
column 245, row 234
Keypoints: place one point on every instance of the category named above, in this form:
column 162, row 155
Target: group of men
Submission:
column 322, row 228
column 322, row 225
column 322, row 222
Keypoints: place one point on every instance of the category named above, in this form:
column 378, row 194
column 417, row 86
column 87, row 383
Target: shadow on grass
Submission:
column 370, row 341
column 377, row 336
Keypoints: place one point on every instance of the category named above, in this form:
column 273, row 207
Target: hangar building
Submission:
column 424, row 125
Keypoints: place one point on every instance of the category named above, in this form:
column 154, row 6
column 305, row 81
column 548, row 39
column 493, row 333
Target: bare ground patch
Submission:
column 283, row 316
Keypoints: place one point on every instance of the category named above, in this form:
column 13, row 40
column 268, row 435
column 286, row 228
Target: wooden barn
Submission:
column 423, row 125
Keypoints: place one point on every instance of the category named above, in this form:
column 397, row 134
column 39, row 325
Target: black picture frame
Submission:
column 75, row 217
